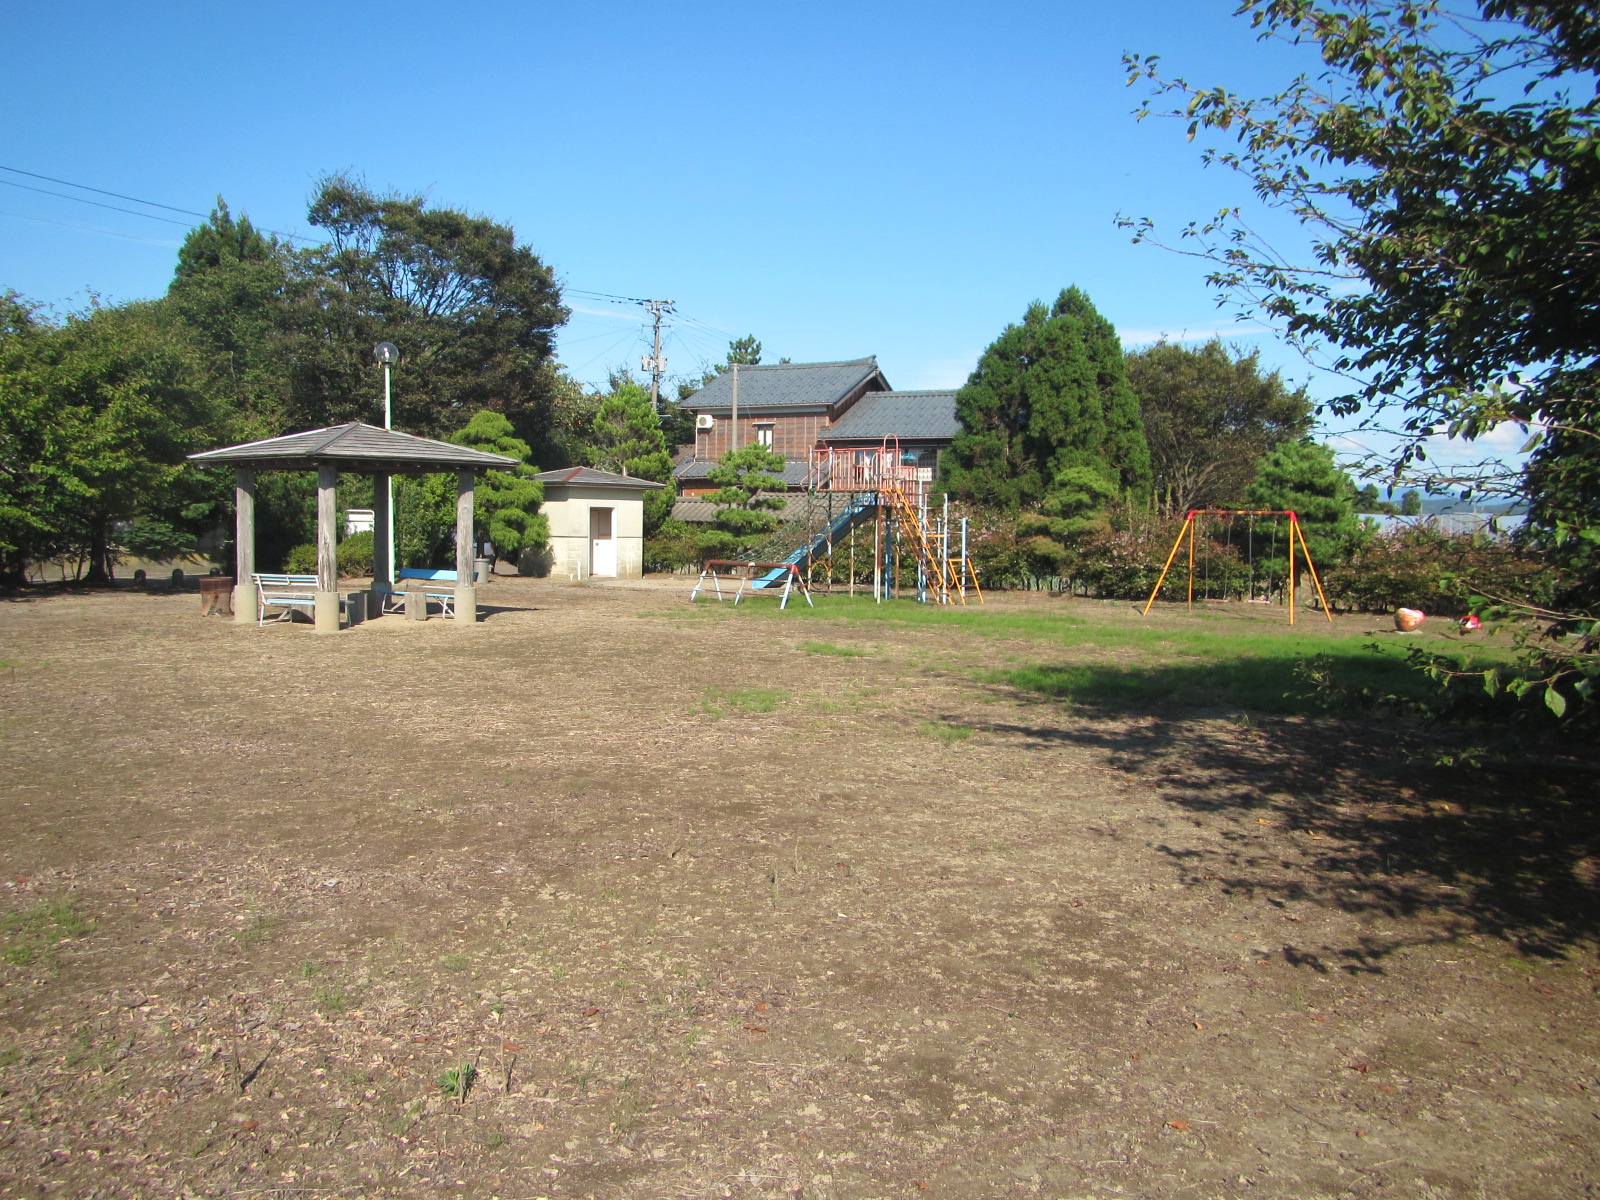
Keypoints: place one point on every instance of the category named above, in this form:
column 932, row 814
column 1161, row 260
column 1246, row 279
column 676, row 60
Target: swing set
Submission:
column 1296, row 534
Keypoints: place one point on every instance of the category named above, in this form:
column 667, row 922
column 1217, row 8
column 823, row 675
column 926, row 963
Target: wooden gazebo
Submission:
column 362, row 450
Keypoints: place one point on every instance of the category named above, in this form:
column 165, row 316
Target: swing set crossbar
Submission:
column 1188, row 531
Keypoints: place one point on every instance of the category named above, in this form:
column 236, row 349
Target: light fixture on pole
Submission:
column 388, row 354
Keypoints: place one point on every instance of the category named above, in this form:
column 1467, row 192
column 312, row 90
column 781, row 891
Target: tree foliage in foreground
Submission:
column 1446, row 165
column 1049, row 394
column 743, row 513
column 1210, row 416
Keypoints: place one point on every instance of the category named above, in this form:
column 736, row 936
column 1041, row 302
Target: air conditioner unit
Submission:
column 704, row 421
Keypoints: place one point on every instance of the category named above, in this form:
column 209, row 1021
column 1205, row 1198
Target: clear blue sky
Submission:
column 838, row 179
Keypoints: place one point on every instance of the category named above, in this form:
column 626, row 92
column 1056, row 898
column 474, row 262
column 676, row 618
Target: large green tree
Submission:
column 1210, row 416
column 743, row 512
column 1049, row 394
column 473, row 312
column 1444, row 166
column 627, row 439
column 1302, row 477
column 99, row 413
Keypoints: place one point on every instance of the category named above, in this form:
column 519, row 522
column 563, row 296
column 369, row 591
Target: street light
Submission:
column 388, row 354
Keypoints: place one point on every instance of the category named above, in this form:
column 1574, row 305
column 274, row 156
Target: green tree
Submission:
column 505, row 503
column 30, row 530
column 473, row 313
column 1071, row 510
column 743, row 514
column 1302, row 477
column 1411, row 504
column 1210, row 416
column 627, row 439
column 1443, row 165
column 99, row 414
column 1048, row 394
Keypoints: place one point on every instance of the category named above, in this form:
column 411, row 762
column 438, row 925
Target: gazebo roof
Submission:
column 354, row 447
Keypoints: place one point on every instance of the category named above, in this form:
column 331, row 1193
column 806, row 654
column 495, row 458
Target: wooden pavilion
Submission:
column 358, row 449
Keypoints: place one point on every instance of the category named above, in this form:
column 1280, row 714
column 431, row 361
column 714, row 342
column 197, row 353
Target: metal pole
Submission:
column 388, row 483
column 735, row 406
column 963, row 560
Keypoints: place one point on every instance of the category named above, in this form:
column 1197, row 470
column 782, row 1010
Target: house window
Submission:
column 764, row 436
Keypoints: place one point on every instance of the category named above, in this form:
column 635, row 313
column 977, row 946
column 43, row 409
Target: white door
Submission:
column 602, row 543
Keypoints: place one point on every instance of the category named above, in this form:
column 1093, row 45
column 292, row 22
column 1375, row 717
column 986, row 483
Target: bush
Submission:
column 1422, row 568
column 354, row 554
column 301, row 560
column 676, row 544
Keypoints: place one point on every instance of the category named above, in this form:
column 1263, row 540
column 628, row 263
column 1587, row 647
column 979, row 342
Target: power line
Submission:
column 188, row 212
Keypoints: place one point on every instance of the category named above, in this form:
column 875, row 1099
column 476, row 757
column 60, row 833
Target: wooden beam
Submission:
column 326, row 612
column 466, row 604
column 244, row 545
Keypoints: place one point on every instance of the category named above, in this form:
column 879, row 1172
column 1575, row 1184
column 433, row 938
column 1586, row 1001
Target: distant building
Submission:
column 795, row 408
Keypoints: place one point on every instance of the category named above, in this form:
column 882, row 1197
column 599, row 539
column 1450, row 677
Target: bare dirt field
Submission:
column 612, row 896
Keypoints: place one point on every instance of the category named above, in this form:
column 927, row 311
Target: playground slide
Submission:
column 859, row 504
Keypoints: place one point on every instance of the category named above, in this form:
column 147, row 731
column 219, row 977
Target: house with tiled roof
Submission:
column 795, row 408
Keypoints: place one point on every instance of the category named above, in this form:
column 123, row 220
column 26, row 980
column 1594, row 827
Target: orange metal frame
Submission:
column 1294, row 532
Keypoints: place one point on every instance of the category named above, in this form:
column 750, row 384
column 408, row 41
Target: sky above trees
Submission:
column 895, row 179
column 840, row 180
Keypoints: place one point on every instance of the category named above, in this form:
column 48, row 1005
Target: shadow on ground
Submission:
column 1346, row 814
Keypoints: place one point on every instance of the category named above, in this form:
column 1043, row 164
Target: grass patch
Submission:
column 830, row 648
column 749, row 700
column 458, row 1080
column 34, row 932
column 454, row 962
column 333, row 1000
column 948, row 734
column 1255, row 675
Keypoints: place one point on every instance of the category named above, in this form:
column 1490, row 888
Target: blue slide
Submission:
column 860, row 503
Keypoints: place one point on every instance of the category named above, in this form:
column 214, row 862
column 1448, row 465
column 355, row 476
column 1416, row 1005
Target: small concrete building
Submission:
column 596, row 523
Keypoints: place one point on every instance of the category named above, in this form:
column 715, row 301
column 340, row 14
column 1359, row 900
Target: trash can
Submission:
column 482, row 567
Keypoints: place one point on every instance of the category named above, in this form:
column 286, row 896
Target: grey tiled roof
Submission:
column 354, row 446
column 589, row 477
column 796, row 506
column 786, row 385
column 910, row 416
column 793, row 473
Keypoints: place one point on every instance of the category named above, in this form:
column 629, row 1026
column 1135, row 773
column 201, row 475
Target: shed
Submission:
column 596, row 522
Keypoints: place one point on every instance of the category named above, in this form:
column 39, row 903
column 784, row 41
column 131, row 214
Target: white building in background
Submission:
column 596, row 523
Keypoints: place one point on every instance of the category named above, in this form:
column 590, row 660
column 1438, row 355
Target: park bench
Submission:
column 434, row 585
column 287, row 592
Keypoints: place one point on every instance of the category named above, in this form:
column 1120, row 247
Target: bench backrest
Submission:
column 427, row 575
column 285, row 580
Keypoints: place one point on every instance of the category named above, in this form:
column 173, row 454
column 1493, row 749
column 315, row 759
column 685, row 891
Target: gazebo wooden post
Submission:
column 326, row 611
column 466, row 594
column 244, row 545
column 382, row 568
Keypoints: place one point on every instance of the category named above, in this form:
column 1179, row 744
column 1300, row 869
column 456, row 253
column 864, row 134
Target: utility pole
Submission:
column 735, row 421
column 654, row 363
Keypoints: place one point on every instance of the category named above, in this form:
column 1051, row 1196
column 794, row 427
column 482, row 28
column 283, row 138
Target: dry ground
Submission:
column 264, row 889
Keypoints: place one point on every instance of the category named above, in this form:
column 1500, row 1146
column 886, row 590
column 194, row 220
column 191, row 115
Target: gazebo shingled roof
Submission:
column 356, row 447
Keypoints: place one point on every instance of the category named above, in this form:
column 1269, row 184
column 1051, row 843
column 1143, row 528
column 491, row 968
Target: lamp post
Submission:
column 388, row 354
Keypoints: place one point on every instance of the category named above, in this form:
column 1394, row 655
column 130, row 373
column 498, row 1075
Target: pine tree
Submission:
column 1049, row 395
column 629, row 441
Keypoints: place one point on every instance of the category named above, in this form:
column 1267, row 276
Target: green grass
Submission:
column 948, row 734
column 830, row 648
column 333, row 1000
column 1207, row 658
column 749, row 700
column 32, row 933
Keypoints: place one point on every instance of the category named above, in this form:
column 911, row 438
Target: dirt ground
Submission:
column 270, row 896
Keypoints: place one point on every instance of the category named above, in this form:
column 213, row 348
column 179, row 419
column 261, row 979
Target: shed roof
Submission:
column 787, row 385
column 589, row 477
column 906, row 415
column 354, row 446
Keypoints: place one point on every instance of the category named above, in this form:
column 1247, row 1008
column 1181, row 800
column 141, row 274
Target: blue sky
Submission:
column 840, row 180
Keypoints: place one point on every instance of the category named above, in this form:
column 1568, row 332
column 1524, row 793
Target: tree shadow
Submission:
column 1352, row 815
